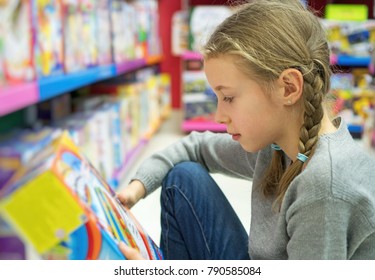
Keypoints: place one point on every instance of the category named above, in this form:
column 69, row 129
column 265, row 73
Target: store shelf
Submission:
column 188, row 126
column 130, row 66
column 15, row 97
column 353, row 61
column 56, row 85
column 190, row 55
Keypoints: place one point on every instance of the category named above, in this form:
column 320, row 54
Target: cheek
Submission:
column 257, row 123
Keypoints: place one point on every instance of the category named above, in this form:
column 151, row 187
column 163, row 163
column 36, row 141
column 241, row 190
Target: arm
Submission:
column 215, row 151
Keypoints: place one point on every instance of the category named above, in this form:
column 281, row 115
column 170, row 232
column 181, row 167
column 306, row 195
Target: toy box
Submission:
column 103, row 33
column 118, row 36
column 49, row 54
column 20, row 147
column 130, row 32
column 88, row 38
column 18, row 41
column 72, row 34
column 165, row 95
column 199, row 100
column 60, row 201
column 350, row 37
column 129, row 94
column 203, row 20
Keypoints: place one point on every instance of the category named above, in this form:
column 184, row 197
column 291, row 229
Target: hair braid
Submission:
column 313, row 115
column 313, row 92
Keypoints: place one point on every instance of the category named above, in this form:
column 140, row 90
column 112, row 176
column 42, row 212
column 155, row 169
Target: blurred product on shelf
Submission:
column 17, row 41
column 350, row 37
column 49, row 48
column 124, row 40
column 141, row 37
column 112, row 118
column 76, row 43
column 202, row 22
column 352, row 41
column 354, row 98
column 103, row 32
column 49, row 52
column 199, row 100
column 78, row 216
column 180, row 32
column 80, row 35
column 19, row 147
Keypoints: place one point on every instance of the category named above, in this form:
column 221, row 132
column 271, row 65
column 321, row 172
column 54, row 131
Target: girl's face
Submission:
column 254, row 118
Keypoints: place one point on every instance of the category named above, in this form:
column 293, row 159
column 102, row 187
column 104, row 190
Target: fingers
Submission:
column 130, row 253
column 132, row 193
column 122, row 198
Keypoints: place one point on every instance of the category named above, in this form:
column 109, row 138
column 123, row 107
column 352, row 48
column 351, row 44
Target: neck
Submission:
column 290, row 147
column 327, row 126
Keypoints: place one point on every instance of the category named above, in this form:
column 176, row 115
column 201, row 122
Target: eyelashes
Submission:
column 228, row 99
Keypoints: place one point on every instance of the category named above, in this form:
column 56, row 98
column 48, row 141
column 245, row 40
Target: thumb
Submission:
column 129, row 253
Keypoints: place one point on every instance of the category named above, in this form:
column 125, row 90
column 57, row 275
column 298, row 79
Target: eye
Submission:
column 228, row 99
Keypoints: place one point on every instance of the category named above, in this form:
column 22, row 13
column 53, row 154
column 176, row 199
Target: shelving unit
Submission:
column 16, row 97
column 350, row 61
column 118, row 115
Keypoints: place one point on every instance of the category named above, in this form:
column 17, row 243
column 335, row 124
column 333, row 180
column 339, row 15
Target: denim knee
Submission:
column 185, row 171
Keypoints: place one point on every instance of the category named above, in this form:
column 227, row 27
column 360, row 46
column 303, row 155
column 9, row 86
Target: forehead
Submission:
column 222, row 68
column 225, row 72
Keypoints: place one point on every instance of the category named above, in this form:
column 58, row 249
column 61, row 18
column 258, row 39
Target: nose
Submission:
column 220, row 116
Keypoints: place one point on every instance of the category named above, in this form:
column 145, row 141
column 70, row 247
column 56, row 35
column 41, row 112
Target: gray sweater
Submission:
column 328, row 211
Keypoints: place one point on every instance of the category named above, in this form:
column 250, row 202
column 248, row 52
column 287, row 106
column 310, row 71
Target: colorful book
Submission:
column 59, row 204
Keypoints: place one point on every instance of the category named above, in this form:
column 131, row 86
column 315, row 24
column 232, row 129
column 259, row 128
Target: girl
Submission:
column 313, row 188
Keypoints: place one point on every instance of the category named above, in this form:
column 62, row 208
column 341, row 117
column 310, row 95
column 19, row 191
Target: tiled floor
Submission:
column 147, row 210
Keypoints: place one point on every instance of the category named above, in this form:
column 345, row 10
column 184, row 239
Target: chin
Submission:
column 250, row 148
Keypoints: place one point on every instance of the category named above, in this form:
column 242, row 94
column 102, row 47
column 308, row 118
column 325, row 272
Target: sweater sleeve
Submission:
column 217, row 152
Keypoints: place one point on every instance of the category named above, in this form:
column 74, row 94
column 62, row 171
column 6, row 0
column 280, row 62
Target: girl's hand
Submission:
column 132, row 194
column 130, row 253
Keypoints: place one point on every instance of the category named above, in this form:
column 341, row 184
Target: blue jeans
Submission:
column 197, row 220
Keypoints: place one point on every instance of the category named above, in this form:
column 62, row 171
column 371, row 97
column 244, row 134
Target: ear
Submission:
column 291, row 81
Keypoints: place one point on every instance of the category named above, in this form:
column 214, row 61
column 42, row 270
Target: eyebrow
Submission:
column 218, row 88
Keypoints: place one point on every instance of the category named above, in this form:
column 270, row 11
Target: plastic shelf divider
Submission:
column 56, row 85
column 130, row 65
column 188, row 126
column 15, row 97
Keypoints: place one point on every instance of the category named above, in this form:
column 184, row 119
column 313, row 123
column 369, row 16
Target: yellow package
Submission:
column 37, row 202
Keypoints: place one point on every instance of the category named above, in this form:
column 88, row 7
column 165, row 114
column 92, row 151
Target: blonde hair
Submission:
column 269, row 36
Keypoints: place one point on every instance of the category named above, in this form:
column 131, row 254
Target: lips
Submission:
column 235, row 136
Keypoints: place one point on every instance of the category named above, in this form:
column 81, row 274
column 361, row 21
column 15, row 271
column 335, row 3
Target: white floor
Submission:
column 147, row 211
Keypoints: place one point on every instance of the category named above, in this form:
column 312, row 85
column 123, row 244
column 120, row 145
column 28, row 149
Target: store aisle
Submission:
column 147, row 210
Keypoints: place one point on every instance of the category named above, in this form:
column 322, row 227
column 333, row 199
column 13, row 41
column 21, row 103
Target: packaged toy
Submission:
column 18, row 44
column 47, row 15
column 61, row 205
